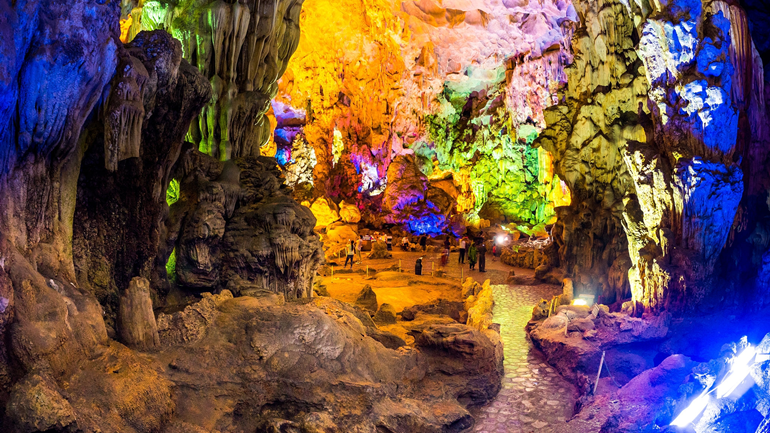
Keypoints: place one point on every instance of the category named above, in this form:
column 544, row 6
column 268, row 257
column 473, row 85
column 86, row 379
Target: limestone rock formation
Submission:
column 242, row 49
column 349, row 213
column 117, row 222
column 367, row 300
column 385, row 315
column 236, row 222
column 136, row 319
column 649, row 157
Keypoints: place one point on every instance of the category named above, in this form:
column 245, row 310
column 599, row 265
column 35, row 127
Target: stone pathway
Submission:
column 534, row 397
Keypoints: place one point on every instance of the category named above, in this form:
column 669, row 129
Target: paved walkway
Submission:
column 534, row 397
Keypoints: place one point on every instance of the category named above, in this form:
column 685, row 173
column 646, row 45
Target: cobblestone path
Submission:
column 534, row 397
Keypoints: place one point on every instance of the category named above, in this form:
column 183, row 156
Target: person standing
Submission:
column 472, row 256
column 482, row 252
column 350, row 251
column 389, row 242
column 463, row 245
column 405, row 243
column 359, row 248
column 423, row 242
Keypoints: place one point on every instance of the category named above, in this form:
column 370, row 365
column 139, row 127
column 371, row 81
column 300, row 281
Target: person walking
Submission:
column 463, row 245
column 472, row 256
column 423, row 242
column 482, row 252
column 350, row 251
column 405, row 243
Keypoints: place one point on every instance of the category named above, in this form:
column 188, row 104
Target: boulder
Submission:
column 349, row 213
column 367, row 300
column 325, row 212
column 136, row 319
column 380, row 251
column 385, row 315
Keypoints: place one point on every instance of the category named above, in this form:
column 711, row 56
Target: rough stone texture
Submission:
column 36, row 404
column 284, row 365
column 350, row 213
column 325, row 211
column 643, row 402
column 117, row 225
column 379, row 250
column 136, row 319
column 479, row 308
column 573, row 339
column 649, row 158
column 385, row 315
column 241, row 49
column 367, row 300
column 531, row 255
column 442, row 307
column 236, row 222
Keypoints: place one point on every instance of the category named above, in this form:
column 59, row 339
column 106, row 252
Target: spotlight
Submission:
column 579, row 301
column 738, row 372
column 693, row 410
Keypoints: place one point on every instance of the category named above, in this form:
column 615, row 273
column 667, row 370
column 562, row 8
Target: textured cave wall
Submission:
column 242, row 48
column 236, row 226
column 449, row 83
column 91, row 130
column 121, row 199
column 662, row 117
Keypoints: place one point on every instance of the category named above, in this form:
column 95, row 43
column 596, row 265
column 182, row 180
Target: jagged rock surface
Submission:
column 237, row 222
column 242, row 49
column 649, row 156
column 136, row 319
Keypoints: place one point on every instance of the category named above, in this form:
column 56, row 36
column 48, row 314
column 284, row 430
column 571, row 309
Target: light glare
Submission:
column 693, row 410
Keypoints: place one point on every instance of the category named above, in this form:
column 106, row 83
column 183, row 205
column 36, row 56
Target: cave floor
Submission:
column 534, row 397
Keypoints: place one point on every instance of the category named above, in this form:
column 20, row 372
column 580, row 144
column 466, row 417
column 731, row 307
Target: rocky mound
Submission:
column 257, row 363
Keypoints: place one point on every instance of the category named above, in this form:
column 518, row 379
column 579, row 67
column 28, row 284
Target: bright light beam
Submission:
column 579, row 302
column 738, row 372
column 693, row 410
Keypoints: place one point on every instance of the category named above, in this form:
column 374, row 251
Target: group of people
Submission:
column 475, row 250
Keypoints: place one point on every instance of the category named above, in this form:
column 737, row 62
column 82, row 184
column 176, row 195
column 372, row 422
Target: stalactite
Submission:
column 124, row 113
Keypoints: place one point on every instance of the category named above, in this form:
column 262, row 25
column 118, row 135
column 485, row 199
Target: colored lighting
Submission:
column 738, row 372
column 693, row 411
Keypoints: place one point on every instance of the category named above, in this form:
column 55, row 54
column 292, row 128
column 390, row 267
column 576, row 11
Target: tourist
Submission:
column 405, row 243
column 447, row 246
column 359, row 248
column 472, row 256
column 482, row 252
column 463, row 244
column 423, row 242
column 445, row 256
column 389, row 242
column 351, row 251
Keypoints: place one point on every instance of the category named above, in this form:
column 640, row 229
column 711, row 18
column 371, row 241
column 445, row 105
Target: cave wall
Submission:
column 242, row 48
column 660, row 132
column 91, row 131
column 461, row 86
